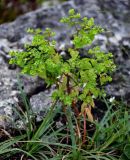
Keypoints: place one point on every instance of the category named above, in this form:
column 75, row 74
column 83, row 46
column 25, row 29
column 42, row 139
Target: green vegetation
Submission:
column 77, row 81
column 108, row 141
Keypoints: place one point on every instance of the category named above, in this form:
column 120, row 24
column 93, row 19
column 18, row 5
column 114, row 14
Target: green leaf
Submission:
column 84, row 64
column 65, row 68
column 123, row 157
column 127, row 151
column 74, row 54
column 67, row 100
column 71, row 12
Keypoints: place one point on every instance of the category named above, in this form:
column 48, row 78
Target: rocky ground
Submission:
column 114, row 15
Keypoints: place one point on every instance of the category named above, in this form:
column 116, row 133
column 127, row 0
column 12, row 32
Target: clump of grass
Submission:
column 34, row 142
column 109, row 140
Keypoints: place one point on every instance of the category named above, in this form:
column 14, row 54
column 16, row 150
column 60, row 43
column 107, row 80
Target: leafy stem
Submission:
column 77, row 78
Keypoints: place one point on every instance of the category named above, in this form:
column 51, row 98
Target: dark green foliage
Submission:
column 127, row 151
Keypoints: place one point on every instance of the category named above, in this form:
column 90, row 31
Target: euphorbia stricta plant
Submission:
column 76, row 79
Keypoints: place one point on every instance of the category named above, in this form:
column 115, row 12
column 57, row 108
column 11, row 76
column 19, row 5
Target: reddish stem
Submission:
column 75, row 108
column 85, row 130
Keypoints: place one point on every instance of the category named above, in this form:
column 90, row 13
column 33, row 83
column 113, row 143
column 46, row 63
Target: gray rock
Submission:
column 40, row 103
column 113, row 15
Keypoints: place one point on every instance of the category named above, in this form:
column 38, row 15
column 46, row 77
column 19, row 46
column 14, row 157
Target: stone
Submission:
column 41, row 103
column 112, row 15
